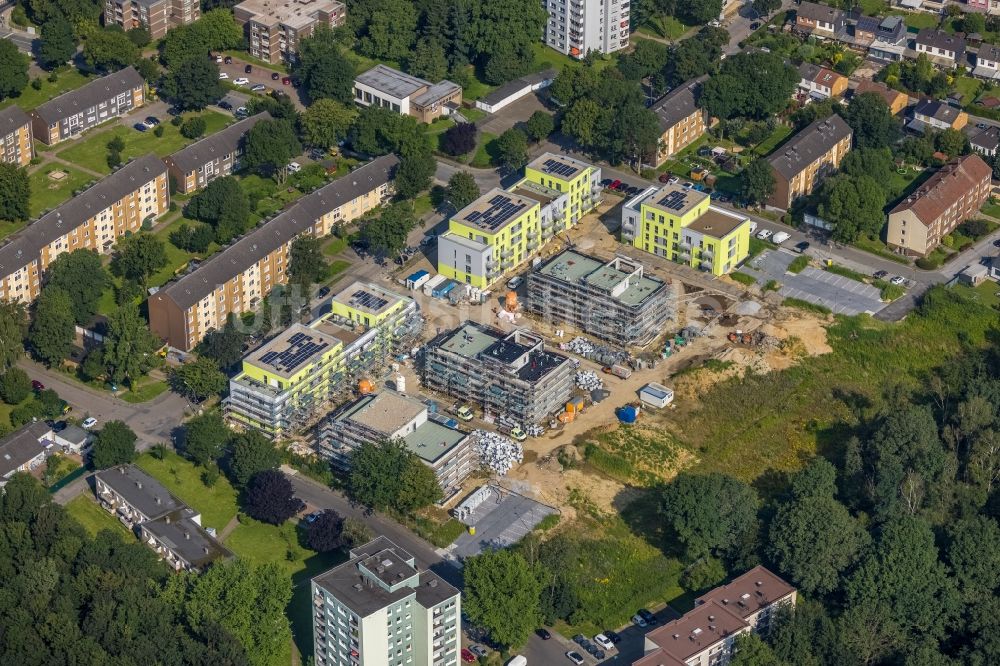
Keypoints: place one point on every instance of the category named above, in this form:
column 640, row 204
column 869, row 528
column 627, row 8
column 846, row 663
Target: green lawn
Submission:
column 473, row 114
column 482, row 158
column 92, row 152
column 986, row 293
column 665, row 27
column 873, row 7
column 146, row 390
column 919, row 20
column 93, row 518
column 217, row 504
column 992, row 209
column 47, row 193
column 877, row 247
column 968, row 86
column 68, row 79
column 335, row 246
column 780, row 133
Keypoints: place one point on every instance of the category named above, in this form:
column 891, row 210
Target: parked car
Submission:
column 89, row 422
column 294, row 167
column 242, row 112
column 664, row 178
column 223, row 76
column 755, row 25
column 614, row 184
column 604, row 642
column 579, row 639
column 258, row 87
column 311, row 518
column 478, row 650
column 753, row 227
column 982, row 125
column 673, row 180
column 229, row 60
column 248, row 69
column 802, row 247
column 324, row 292
column 275, row 76
column 140, row 127
column 764, row 234
column 638, row 620
column 286, row 81
column 898, row 280
column 879, row 275
column 780, row 237
column 174, row 111
column 575, row 657
column 996, row 243
column 468, row 657
column 647, row 616
column 242, row 81
column 37, row 385
column 515, row 282
column 225, row 105
column 613, row 636
column 543, row 633
column 152, row 121
column 218, row 59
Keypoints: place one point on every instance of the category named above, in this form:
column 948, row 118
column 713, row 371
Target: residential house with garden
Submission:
column 24, row 449
column 238, row 278
column 984, row 141
column 705, row 635
column 16, row 143
column 217, row 155
column 938, row 116
column 90, row 105
column 987, row 62
column 942, row 48
column 821, row 21
column 681, row 120
column 954, row 194
column 821, row 83
column 94, row 219
column 896, row 100
column 801, row 164
column 891, row 40
column 401, row 93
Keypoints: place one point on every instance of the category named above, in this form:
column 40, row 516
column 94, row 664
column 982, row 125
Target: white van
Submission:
column 517, row 660
column 780, row 237
column 753, row 227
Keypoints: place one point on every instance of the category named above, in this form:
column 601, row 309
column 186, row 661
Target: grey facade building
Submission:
column 577, row 27
column 97, row 102
column 615, row 300
column 378, row 609
column 394, row 416
column 164, row 523
column 197, row 165
column 507, row 374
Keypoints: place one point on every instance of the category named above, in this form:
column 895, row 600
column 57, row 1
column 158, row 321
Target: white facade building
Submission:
column 577, row 27
column 377, row 609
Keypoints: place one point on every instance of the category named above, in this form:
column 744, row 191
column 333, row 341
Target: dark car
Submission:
column 248, row 69
column 324, row 292
column 225, row 105
column 647, row 616
column 286, row 81
column 605, row 182
column 140, row 127
column 228, row 60
column 153, row 120
column 478, row 650
column 543, row 633
column 613, row 636
column 37, row 385
column 174, row 111
column 996, row 243
column 755, row 25
column 468, row 657
column 579, row 638
column 664, row 177
column 802, row 247
column 275, row 76
column 878, row 275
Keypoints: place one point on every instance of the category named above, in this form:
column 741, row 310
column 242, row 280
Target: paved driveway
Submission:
column 500, row 524
column 842, row 295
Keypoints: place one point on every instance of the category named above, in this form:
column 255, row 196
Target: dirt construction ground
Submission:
column 776, row 338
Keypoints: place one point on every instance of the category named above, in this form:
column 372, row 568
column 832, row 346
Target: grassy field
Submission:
column 47, row 193
column 68, row 78
column 746, row 427
column 879, row 248
column 146, row 390
column 919, row 20
column 968, row 86
column 780, row 133
column 873, row 7
column 91, row 152
column 93, row 518
column 992, row 209
column 665, row 27
column 217, row 504
column 483, row 159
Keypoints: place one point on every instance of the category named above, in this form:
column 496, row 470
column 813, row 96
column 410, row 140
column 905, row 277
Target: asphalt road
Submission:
column 22, row 40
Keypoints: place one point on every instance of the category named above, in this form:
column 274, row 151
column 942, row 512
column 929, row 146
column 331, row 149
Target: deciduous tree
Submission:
column 501, row 596
column 58, row 44
column 269, row 146
column 325, row 533
column 81, row 275
column 270, row 497
column 306, row 265
column 326, row 122
column 15, row 192
column 853, row 205
column 709, row 514
column 224, row 346
column 15, row 386
column 194, row 127
column 388, row 475
column 138, row 257
column 13, row 328
column 539, row 125
column 512, row 149
column 414, row 174
column 53, row 326
column 872, row 121
column 224, row 205
column 462, row 189
column 110, row 50
column 205, row 437
column 129, row 347
column 757, row 182
column 460, row 139
column 13, row 70
column 194, row 84
column 388, row 232
column 114, row 445
column 324, row 70
column 251, row 453
column 198, row 380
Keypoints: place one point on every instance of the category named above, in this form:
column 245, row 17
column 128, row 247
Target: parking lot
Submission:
column 842, row 295
column 500, row 524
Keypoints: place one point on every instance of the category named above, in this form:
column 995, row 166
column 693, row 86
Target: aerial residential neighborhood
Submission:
column 500, row 332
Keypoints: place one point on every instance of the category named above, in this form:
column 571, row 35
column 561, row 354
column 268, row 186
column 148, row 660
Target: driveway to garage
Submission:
column 842, row 295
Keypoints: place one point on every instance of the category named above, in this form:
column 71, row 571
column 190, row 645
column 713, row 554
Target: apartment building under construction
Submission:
column 615, row 300
column 506, row 374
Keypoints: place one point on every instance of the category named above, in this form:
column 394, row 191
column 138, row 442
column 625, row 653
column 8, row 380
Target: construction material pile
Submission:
column 595, row 352
column 588, row 380
column 579, row 346
column 497, row 452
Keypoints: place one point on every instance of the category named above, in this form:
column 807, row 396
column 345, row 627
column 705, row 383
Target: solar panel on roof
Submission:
column 559, row 168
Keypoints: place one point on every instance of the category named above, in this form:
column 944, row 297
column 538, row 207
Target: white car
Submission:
column 242, row 81
column 899, row 280
column 780, row 237
column 575, row 657
column 218, row 59
column 89, row 422
column 764, row 234
column 260, row 87
column 223, row 76
column 604, row 642
column 753, row 227
column 515, row 282
column 638, row 620
column 294, row 167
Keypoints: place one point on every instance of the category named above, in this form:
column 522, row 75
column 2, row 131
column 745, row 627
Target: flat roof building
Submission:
column 704, row 636
column 614, row 300
column 239, row 277
column 507, row 374
column 389, row 415
column 156, row 16
column 166, row 524
column 405, row 94
column 274, row 28
column 285, row 382
column 378, row 587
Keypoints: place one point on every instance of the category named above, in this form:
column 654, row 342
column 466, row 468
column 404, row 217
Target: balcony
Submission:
column 506, row 253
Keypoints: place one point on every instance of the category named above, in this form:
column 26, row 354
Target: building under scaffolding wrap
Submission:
column 507, row 374
column 615, row 300
column 285, row 381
